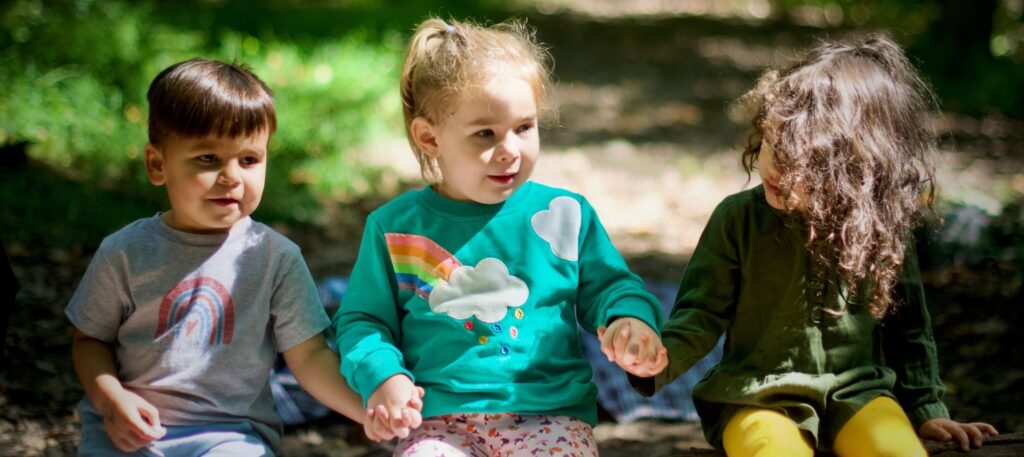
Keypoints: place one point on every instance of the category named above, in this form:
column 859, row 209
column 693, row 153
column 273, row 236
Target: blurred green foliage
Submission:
column 75, row 74
column 971, row 50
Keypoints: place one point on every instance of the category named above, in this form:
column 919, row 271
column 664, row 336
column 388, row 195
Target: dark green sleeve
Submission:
column 705, row 303
column 909, row 349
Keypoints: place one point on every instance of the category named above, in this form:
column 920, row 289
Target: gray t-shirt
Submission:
column 196, row 319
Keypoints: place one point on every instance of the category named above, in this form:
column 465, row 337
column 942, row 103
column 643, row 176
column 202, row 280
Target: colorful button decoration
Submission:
column 468, row 325
column 519, row 313
column 514, row 332
column 504, row 350
column 483, row 340
column 496, row 328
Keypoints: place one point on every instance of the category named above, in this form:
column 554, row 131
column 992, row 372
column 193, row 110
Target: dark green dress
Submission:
column 793, row 342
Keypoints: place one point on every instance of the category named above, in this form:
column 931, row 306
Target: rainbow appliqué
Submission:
column 199, row 304
column 420, row 264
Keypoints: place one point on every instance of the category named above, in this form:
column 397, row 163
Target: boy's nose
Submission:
column 229, row 175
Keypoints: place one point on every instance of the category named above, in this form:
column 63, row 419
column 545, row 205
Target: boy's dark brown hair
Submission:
column 199, row 97
column 849, row 126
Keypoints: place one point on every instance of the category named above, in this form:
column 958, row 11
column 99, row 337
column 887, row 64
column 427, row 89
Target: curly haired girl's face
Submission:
column 770, row 177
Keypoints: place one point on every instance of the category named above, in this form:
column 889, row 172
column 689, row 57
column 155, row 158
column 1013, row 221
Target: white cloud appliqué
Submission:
column 559, row 225
column 485, row 291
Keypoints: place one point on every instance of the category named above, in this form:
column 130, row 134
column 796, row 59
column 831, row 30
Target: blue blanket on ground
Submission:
column 614, row 393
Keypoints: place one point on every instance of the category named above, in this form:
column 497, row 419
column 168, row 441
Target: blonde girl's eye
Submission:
column 524, row 128
column 485, row 133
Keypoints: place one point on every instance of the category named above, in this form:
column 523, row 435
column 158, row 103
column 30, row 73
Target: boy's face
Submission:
column 212, row 182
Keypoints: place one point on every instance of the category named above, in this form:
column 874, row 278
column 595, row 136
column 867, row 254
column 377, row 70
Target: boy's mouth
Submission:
column 225, row 201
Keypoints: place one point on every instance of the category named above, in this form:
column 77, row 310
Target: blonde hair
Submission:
column 447, row 60
column 849, row 124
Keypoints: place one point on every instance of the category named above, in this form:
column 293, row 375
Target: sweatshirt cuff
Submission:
column 926, row 412
column 374, row 369
column 636, row 308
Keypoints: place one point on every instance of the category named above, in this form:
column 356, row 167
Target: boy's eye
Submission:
column 524, row 128
column 250, row 160
column 207, row 158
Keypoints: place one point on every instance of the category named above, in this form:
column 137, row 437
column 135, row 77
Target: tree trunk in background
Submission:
column 965, row 29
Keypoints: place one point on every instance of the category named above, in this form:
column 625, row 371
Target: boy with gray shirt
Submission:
column 179, row 316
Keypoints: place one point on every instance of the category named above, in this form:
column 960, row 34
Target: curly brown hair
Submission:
column 849, row 126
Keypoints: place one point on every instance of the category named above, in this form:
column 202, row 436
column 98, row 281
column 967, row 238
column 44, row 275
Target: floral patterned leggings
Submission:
column 499, row 435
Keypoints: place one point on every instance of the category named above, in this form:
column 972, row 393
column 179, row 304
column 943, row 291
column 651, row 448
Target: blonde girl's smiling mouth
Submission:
column 503, row 178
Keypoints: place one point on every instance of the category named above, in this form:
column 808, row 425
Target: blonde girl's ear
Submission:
column 155, row 165
column 425, row 135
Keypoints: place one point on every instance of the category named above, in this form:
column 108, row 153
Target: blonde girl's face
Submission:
column 770, row 177
column 487, row 147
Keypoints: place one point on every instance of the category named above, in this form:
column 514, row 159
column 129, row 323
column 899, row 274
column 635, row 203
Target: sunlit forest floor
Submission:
column 643, row 131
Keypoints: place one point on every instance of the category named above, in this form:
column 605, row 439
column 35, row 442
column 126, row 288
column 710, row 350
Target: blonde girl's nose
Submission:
column 508, row 149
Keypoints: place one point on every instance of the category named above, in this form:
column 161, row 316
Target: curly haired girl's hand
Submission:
column 634, row 346
column 968, row 435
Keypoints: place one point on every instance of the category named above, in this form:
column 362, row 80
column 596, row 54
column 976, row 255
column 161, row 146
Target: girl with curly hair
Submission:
column 813, row 277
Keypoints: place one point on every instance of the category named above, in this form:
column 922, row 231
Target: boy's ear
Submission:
column 155, row 165
column 423, row 134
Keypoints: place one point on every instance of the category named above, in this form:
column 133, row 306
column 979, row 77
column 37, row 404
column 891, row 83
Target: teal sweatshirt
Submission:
column 794, row 341
column 479, row 304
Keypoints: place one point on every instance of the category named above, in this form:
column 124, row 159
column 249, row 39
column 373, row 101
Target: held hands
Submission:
column 131, row 422
column 968, row 435
column 634, row 346
column 393, row 409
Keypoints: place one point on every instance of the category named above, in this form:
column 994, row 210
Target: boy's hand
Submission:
column 969, row 435
column 131, row 422
column 393, row 409
column 634, row 346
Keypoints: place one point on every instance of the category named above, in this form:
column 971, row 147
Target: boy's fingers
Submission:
column 621, row 340
column 417, row 419
column 151, row 422
column 415, row 402
column 607, row 345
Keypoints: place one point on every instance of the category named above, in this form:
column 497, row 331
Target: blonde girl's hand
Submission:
column 393, row 410
column 634, row 346
column 131, row 422
column 968, row 435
